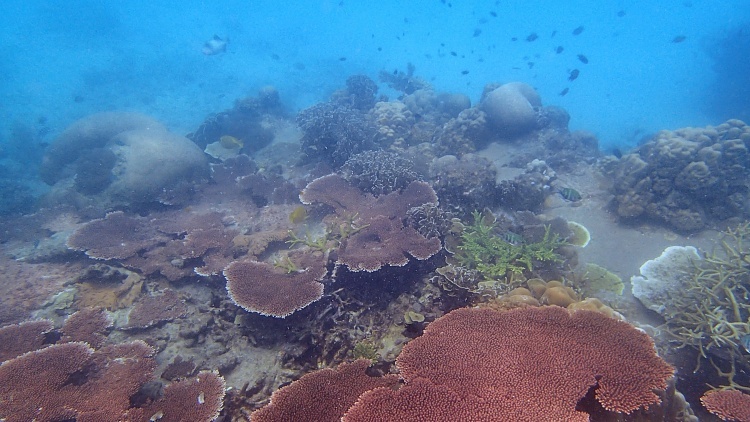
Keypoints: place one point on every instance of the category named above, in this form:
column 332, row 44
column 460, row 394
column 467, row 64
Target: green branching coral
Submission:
column 713, row 314
column 483, row 250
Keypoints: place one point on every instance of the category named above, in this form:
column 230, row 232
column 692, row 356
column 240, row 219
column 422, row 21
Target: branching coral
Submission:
column 482, row 249
column 712, row 314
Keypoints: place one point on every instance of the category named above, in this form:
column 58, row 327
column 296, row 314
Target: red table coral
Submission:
column 530, row 364
column 729, row 405
column 322, row 395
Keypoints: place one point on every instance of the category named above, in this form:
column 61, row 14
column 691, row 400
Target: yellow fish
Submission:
column 230, row 142
column 298, row 215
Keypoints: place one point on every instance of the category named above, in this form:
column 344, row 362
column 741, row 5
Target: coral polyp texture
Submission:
column 268, row 290
column 729, row 405
column 541, row 364
column 688, row 179
column 322, row 395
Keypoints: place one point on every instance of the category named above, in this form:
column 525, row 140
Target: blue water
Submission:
column 63, row 60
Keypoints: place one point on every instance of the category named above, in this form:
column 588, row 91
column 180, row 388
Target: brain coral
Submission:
column 688, row 178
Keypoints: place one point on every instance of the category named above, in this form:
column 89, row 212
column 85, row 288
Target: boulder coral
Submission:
column 120, row 158
column 688, row 179
column 512, row 109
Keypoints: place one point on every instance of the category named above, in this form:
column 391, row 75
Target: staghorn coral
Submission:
column 379, row 172
column 702, row 300
column 688, row 178
column 333, row 133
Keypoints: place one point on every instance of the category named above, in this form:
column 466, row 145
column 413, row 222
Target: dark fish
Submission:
column 532, row 37
column 512, row 238
column 380, row 48
column 578, row 30
column 477, row 32
column 464, row 72
column 214, row 46
column 299, row 66
column 570, row 194
column 530, row 64
column 514, row 39
column 559, row 49
column 574, row 74
column 617, row 153
column 563, row 92
column 406, row 20
column 454, row 54
column 678, row 39
column 342, row 59
column 553, row 34
column 275, row 57
column 493, row 14
column 78, row 98
column 621, row 13
column 583, row 59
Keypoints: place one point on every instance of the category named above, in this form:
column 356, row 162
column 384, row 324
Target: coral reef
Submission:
column 120, row 159
column 150, row 310
column 464, row 184
column 18, row 339
column 379, row 172
column 449, row 375
column 687, row 179
column 323, row 395
column 359, row 93
column 463, row 134
column 703, row 301
column 260, row 287
column 333, row 133
column 402, row 81
column 394, row 123
column 88, row 325
column 511, row 109
column 251, row 122
column 373, row 234
column 729, row 405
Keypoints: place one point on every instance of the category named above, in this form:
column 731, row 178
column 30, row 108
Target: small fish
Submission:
column 530, row 64
column 514, row 39
column 574, row 74
column 493, row 14
column 342, row 59
column 464, row 72
column 578, row 30
column 553, row 34
column 617, row 153
column 583, row 59
column 563, row 92
column 298, row 215
column 215, row 46
column 532, row 37
column 275, row 57
column 559, row 49
column 621, row 13
column 512, row 238
column 745, row 341
column 679, row 39
column 477, row 32
column 230, row 142
column 570, row 194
